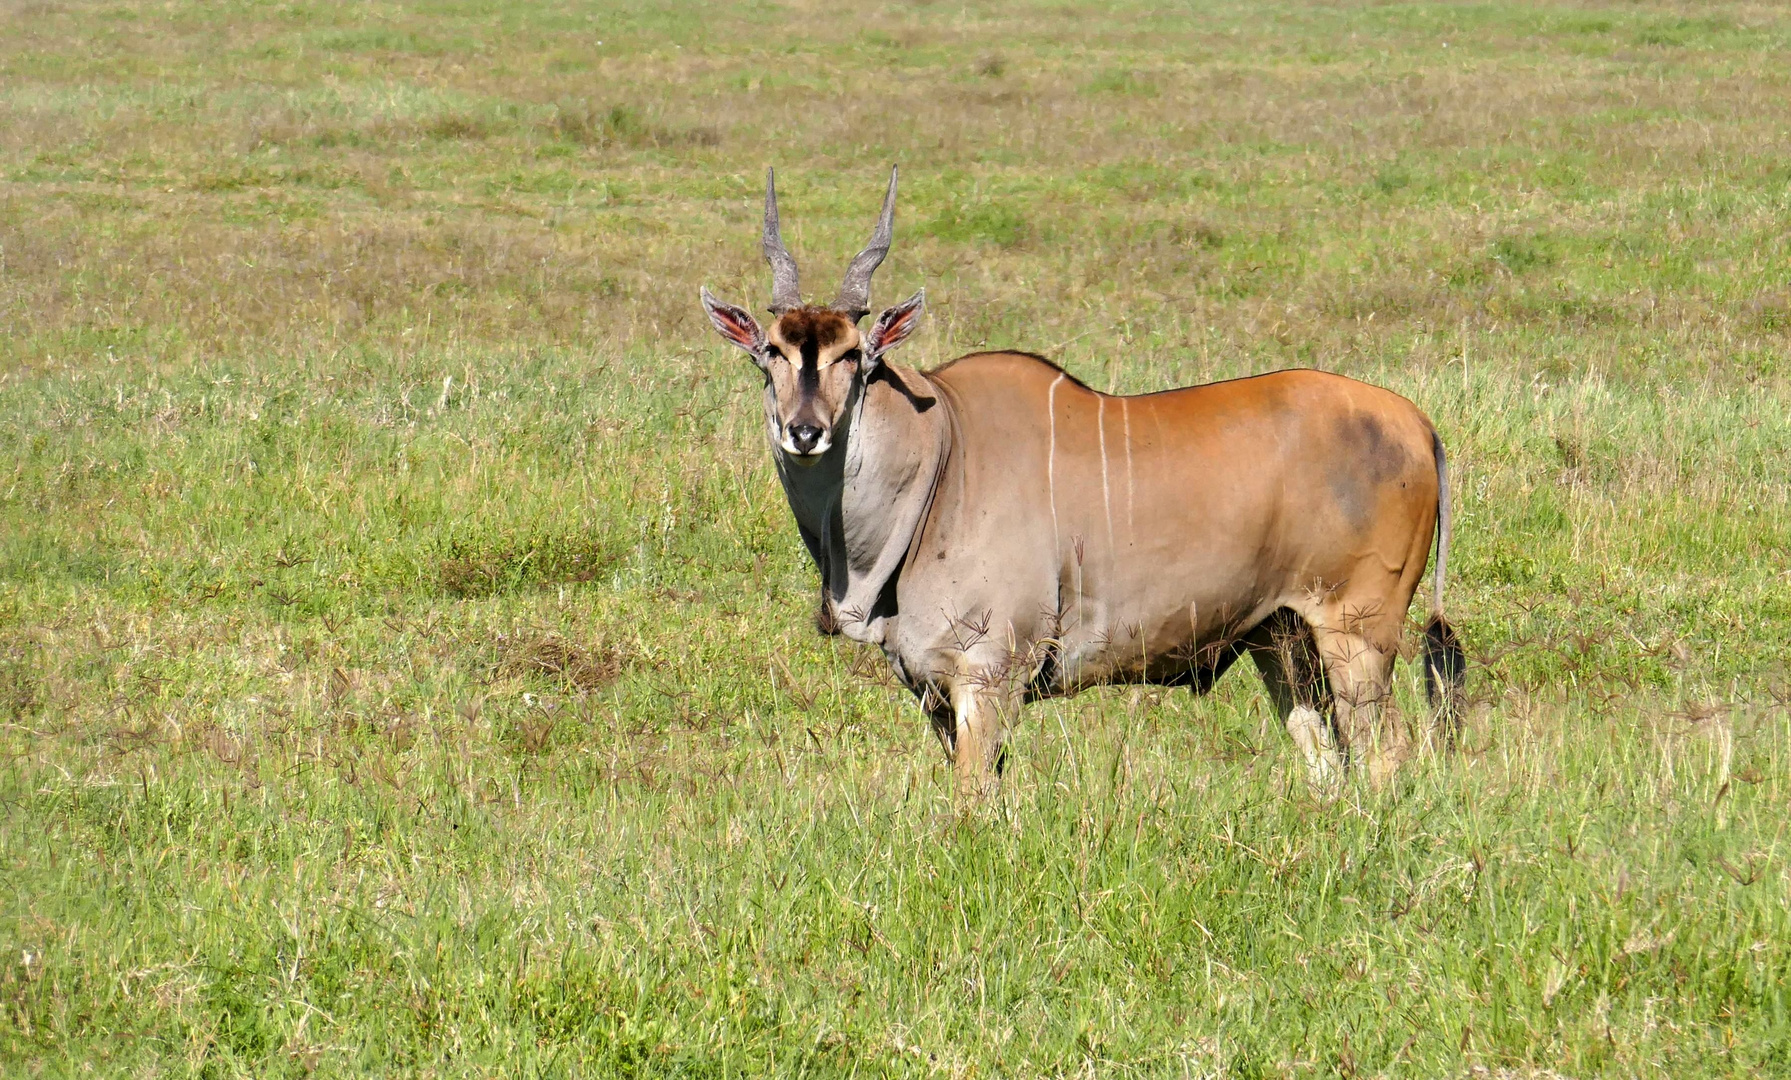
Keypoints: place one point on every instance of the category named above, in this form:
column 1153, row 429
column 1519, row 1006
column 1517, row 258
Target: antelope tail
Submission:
column 1445, row 665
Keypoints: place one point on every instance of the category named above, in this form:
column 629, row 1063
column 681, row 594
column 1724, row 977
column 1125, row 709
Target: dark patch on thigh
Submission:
column 1364, row 458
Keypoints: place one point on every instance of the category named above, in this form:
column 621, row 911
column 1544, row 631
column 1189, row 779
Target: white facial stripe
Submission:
column 829, row 355
column 832, row 356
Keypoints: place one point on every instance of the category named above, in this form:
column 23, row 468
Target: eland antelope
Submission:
column 1005, row 533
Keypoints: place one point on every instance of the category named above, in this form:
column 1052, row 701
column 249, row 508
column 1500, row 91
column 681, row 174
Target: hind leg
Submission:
column 1292, row 673
column 1358, row 663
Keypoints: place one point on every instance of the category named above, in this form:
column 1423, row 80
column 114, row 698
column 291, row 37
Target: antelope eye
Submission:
column 854, row 355
column 774, row 352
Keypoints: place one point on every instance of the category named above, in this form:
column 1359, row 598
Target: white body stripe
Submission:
column 1051, row 468
column 1125, row 415
column 1106, row 495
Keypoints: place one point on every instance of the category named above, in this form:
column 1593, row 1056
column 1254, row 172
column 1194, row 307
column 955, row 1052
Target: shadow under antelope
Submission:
column 1005, row 533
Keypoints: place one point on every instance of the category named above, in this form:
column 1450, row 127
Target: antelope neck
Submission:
column 861, row 506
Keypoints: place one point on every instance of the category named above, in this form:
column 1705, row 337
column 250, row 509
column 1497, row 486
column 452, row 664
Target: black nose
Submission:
column 804, row 437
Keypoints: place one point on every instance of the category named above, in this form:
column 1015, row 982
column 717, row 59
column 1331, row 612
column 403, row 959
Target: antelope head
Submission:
column 814, row 359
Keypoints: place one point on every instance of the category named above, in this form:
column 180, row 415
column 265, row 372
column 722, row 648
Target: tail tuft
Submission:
column 1445, row 670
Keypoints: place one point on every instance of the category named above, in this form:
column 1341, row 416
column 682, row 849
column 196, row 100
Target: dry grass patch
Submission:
column 540, row 653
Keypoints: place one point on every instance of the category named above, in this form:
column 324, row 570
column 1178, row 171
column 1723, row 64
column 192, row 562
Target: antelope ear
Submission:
column 737, row 326
column 893, row 327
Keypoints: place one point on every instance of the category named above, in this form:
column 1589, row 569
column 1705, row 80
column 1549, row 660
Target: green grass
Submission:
column 405, row 651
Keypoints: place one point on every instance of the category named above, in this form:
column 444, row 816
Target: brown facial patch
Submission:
column 815, row 336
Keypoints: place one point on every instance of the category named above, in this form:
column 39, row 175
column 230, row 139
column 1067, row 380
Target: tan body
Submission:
column 1134, row 528
column 1067, row 538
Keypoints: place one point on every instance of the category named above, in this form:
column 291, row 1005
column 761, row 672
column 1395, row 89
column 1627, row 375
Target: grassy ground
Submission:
column 405, row 662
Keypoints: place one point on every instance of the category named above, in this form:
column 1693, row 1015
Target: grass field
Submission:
column 406, row 663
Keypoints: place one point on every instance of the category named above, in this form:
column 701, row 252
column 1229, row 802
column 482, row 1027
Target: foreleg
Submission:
column 982, row 707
